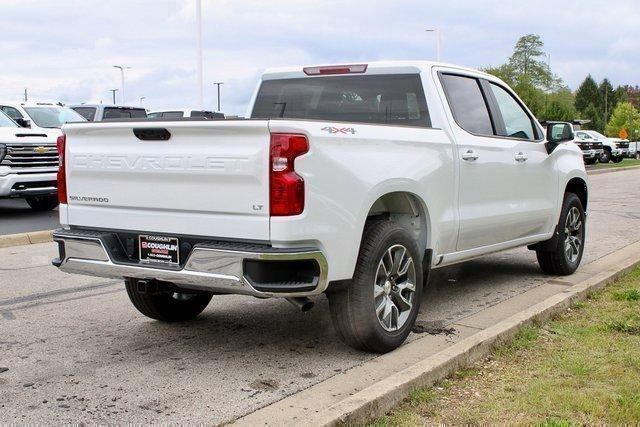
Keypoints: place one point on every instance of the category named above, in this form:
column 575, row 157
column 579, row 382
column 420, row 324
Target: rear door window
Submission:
column 396, row 99
column 468, row 105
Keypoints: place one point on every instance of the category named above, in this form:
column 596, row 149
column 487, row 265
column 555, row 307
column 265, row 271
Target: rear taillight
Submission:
column 62, row 178
column 286, row 187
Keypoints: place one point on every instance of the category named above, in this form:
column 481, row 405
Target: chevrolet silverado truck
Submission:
column 28, row 165
column 352, row 181
column 614, row 149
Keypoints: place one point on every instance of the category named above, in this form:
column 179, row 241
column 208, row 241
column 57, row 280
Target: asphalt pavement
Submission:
column 17, row 217
column 77, row 351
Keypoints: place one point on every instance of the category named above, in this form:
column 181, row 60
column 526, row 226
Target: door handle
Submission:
column 521, row 157
column 470, row 156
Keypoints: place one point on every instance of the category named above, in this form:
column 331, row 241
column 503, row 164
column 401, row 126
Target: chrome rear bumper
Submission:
column 210, row 266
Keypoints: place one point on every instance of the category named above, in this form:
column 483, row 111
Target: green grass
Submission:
column 622, row 164
column 581, row 368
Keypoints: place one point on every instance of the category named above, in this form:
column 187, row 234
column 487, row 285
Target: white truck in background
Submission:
column 352, row 181
column 614, row 149
column 28, row 165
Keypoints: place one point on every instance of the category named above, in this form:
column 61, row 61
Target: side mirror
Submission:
column 25, row 123
column 557, row 133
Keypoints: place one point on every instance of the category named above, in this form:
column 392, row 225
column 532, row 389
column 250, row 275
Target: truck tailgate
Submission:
column 210, row 178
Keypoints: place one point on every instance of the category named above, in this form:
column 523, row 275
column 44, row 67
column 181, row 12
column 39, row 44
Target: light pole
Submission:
column 142, row 98
column 113, row 91
column 436, row 31
column 122, row 68
column 218, row 84
column 199, row 51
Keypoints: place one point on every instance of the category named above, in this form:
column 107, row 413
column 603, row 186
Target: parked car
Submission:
column 591, row 148
column 28, row 165
column 177, row 114
column 41, row 116
column 614, row 149
column 100, row 112
column 351, row 180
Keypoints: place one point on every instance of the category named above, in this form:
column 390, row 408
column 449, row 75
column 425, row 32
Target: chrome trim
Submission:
column 209, row 269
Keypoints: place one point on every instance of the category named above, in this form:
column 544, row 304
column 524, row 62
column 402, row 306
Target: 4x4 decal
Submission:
column 333, row 129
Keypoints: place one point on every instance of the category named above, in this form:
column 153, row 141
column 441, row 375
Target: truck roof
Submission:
column 375, row 67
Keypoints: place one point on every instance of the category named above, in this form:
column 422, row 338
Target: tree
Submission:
column 626, row 117
column 606, row 99
column 587, row 94
column 528, row 59
column 591, row 113
column 559, row 106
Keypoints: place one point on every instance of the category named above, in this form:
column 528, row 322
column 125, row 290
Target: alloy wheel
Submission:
column 394, row 288
column 573, row 234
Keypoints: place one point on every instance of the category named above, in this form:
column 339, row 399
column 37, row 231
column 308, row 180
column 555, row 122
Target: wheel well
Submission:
column 606, row 147
column 578, row 187
column 405, row 208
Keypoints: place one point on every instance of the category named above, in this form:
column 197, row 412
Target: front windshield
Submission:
column 6, row 122
column 53, row 117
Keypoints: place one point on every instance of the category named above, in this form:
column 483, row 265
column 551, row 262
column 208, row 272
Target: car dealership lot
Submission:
column 76, row 350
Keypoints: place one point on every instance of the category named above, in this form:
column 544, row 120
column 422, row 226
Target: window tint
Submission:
column 86, row 112
column 5, row 121
column 11, row 112
column 124, row 113
column 517, row 122
column 173, row 114
column 379, row 99
column 467, row 104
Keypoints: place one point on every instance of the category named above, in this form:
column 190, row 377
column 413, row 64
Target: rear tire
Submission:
column 43, row 203
column 590, row 161
column 167, row 306
column 379, row 307
column 617, row 159
column 563, row 257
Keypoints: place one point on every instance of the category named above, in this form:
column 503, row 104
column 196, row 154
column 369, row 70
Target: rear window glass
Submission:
column 124, row 113
column 173, row 114
column 86, row 112
column 381, row 99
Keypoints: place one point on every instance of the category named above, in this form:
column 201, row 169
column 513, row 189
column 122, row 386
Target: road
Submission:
column 77, row 351
column 17, row 217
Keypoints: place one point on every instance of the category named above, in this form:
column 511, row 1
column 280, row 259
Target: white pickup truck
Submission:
column 351, row 180
column 28, row 164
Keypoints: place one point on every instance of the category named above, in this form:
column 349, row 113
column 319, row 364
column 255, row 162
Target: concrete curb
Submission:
column 29, row 238
column 381, row 396
column 609, row 170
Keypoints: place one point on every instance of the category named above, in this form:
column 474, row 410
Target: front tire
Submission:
column 605, row 156
column 43, row 203
column 563, row 256
column 167, row 305
column 379, row 307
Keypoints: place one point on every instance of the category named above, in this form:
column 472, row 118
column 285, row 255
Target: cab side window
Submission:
column 517, row 123
column 468, row 104
column 11, row 112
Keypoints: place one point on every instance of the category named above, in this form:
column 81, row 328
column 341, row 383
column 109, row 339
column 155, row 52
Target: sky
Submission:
column 64, row 50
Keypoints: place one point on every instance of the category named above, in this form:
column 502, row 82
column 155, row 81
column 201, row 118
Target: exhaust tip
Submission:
column 303, row 303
